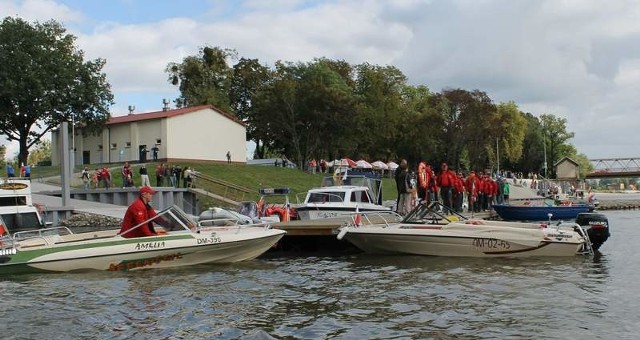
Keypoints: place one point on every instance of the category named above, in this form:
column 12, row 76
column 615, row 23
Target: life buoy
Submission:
column 422, row 175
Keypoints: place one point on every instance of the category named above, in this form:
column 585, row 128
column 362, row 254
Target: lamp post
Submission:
column 544, row 148
column 72, row 154
column 497, row 156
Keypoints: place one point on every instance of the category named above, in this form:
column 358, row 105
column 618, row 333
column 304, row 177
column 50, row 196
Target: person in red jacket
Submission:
column 472, row 185
column 139, row 211
column 446, row 180
column 458, row 192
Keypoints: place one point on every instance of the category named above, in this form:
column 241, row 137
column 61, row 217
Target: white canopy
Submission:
column 379, row 165
column 362, row 164
column 392, row 165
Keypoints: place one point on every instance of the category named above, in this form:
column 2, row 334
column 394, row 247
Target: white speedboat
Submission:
column 180, row 242
column 429, row 231
column 337, row 201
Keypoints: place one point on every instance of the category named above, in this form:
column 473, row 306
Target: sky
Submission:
column 575, row 59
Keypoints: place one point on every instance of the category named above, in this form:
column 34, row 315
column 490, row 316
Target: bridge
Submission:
column 615, row 167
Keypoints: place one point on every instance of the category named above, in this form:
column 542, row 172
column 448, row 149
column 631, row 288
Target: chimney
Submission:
column 165, row 104
column 131, row 109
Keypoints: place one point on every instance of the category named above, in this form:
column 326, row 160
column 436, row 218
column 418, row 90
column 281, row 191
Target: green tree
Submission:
column 248, row 78
column 304, row 106
column 44, row 81
column 585, row 165
column 507, row 126
column 420, row 125
column 556, row 136
column 42, row 153
column 467, row 127
column 376, row 129
column 203, row 79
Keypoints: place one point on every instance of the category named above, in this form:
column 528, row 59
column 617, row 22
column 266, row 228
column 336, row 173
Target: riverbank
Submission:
column 619, row 205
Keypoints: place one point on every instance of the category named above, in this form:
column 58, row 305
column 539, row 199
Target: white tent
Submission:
column 379, row 165
column 362, row 164
column 392, row 165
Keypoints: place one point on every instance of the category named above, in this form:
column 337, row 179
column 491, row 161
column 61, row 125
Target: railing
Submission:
column 225, row 189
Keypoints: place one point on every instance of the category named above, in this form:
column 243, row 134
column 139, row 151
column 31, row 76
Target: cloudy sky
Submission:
column 576, row 59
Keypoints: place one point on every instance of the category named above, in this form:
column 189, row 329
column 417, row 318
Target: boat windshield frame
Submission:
column 434, row 212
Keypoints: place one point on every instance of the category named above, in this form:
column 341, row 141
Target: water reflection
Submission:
column 356, row 296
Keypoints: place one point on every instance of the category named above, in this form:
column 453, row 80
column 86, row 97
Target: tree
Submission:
column 42, row 153
column 555, row 134
column 305, row 106
column 44, row 81
column 467, row 127
column 532, row 157
column 507, row 126
column 376, row 129
column 203, row 79
column 3, row 154
column 248, row 78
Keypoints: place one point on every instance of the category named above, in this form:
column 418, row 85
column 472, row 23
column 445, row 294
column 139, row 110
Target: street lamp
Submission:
column 73, row 143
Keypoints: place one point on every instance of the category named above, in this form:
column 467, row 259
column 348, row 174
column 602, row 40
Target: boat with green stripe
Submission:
column 180, row 242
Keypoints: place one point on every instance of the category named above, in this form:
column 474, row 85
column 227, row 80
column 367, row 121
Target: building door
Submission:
column 143, row 153
column 86, row 157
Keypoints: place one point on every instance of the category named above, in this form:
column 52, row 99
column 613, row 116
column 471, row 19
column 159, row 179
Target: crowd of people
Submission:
column 451, row 188
column 165, row 175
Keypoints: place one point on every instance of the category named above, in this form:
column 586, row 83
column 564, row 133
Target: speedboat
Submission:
column 431, row 229
column 341, row 195
column 540, row 211
column 179, row 242
column 337, row 201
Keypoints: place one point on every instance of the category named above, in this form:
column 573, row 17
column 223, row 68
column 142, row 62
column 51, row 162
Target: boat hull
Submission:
column 318, row 212
column 538, row 213
column 487, row 242
column 126, row 254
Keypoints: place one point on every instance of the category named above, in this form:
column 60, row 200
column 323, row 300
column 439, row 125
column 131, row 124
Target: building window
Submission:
column 99, row 147
column 158, row 141
column 127, row 145
column 114, row 145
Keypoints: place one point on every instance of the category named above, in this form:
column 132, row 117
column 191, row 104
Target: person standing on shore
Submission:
column 85, row 177
column 404, row 195
column 144, row 176
column 160, row 175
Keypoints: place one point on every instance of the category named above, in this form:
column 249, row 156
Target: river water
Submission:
column 350, row 297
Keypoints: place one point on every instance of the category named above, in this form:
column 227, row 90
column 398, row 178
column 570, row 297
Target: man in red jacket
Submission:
column 139, row 211
column 446, row 181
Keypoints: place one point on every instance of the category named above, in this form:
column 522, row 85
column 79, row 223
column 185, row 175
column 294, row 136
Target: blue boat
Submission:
column 510, row 212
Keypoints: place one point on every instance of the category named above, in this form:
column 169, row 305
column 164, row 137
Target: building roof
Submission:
column 567, row 159
column 169, row 113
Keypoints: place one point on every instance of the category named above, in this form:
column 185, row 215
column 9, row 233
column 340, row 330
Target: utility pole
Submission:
column 498, row 155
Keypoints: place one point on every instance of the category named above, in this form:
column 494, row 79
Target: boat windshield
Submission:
column 21, row 221
column 434, row 212
column 171, row 219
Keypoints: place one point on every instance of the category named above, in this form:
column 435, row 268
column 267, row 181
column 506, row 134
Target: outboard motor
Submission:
column 597, row 227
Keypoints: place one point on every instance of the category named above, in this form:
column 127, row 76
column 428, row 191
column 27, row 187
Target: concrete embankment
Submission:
column 619, row 205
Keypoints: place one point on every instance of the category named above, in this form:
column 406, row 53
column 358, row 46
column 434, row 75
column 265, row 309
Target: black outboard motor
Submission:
column 596, row 226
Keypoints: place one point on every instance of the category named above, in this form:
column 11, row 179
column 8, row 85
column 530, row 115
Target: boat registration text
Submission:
column 491, row 243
